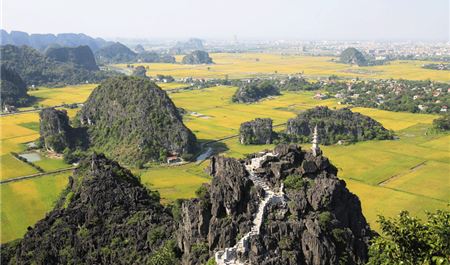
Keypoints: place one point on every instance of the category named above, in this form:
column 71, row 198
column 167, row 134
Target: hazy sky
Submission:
column 261, row 19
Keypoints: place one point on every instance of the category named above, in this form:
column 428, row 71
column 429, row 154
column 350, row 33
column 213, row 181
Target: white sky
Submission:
column 247, row 19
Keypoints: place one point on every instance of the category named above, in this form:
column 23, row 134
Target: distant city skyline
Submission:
column 388, row 20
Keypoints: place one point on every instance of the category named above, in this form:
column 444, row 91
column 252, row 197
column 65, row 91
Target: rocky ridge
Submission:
column 316, row 221
column 258, row 131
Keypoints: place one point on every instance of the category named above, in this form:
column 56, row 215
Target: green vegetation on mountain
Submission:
column 139, row 71
column 254, row 91
column 37, row 69
column 104, row 216
column 334, row 126
column 353, row 56
column 115, row 53
column 57, row 135
column 153, row 57
column 132, row 120
column 81, row 56
column 13, row 88
column 197, row 57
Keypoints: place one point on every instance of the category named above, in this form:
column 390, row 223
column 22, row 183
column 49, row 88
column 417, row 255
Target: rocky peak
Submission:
column 258, row 131
column 105, row 216
column 297, row 212
column 54, row 129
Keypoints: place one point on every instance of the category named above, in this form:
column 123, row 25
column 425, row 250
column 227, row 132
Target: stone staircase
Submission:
column 229, row 256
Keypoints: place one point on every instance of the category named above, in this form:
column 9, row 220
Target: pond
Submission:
column 31, row 157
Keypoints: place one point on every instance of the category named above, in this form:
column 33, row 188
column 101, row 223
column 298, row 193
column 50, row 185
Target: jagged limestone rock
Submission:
column 54, row 129
column 105, row 216
column 258, row 131
column 197, row 57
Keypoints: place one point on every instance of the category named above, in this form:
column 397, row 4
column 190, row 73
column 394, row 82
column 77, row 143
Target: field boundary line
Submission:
column 36, row 175
column 396, row 176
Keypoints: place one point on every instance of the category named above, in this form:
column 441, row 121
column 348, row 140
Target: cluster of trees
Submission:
column 393, row 95
column 442, row 123
column 254, row 91
column 437, row 66
column 333, row 126
column 410, row 241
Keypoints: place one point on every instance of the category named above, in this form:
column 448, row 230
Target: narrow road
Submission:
column 33, row 110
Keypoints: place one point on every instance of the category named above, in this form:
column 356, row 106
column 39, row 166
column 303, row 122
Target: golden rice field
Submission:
column 66, row 95
column 242, row 65
column 411, row 173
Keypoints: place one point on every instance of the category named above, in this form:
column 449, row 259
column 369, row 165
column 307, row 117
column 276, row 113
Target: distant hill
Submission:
column 255, row 91
column 154, row 57
column 335, row 125
column 197, row 57
column 353, row 56
column 81, row 56
column 37, row 69
column 42, row 41
column 13, row 88
column 134, row 121
column 115, row 53
column 191, row 45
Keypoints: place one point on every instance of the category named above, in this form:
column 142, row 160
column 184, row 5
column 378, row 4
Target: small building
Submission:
column 174, row 160
column 320, row 96
column 9, row 109
column 444, row 108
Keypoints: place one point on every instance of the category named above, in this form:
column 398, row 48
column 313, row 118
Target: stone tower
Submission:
column 315, row 143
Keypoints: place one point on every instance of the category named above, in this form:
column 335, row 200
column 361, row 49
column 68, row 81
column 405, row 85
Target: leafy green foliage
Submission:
column 442, row 123
column 295, row 182
column 255, row 91
column 407, row 240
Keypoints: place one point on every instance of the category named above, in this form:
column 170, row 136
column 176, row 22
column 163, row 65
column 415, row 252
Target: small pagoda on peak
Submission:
column 315, row 143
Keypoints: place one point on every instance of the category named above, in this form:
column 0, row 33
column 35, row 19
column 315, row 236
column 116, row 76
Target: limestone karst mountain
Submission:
column 13, row 88
column 353, row 56
column 81, row 56
column 104, row 216
column 197, row 57
column 257, row 131
column 133, row 121
column 342, row 125
column 37, row 69
column 284, row 206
